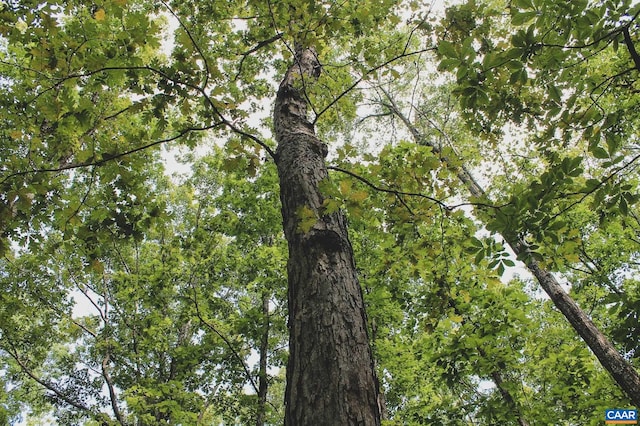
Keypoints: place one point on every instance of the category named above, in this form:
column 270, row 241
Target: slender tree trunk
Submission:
column 496, row 376
column 330, row 374
column 622, row 372
column 508, row 399
column 263, row 385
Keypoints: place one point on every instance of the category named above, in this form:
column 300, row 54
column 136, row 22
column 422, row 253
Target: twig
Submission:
column 254, row 49
column 400, row 194
column 195, row 45
column 111, row 157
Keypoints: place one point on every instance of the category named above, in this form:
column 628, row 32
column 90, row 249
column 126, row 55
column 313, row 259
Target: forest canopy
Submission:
column 387, row 212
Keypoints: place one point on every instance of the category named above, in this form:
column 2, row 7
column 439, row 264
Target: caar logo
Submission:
column 619, row 416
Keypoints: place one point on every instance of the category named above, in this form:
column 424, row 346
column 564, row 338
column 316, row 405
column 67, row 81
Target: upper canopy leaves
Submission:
column 90, row 86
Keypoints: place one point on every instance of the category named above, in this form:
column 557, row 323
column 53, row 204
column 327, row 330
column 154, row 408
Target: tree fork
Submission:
column 330, row 373
column 610, row 358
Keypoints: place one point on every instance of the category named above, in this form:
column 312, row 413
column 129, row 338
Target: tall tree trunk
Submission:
column 330, row 375
column 622, row 372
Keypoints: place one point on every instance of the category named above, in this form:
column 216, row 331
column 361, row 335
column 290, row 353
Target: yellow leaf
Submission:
column 572, row 258
column 307, row 218
column 120, row 2
column 359, row 196
column 456, row 318
column 345, row 187
column 99, row 15
column 96, row 266
column 21, row 26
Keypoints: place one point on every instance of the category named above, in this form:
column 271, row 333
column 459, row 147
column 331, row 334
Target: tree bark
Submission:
column 610, row 358
column 330, row 375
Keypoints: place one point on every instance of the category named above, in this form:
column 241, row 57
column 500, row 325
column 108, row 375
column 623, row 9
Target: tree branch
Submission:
column 464, row 175
column 13, row 352
column 254, row 49
column 400, row 194
column 195, row 45
column 366, row 74
column 211, row 327
column 631, row 47
column 113, row 398
column 587, row 193
column 201, row 90
column 112, row 157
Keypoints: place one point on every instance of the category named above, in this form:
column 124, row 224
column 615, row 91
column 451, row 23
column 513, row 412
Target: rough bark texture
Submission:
column 330, row 374
column 622, row 372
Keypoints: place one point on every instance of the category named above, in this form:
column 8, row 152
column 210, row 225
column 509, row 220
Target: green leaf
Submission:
column 476, row 242
column 520, row 18
column 624, row 208
column 307, row 219
column 447, row 49
column 524, row 4
column 480, row 255
column 449, row 64
column 599, row 152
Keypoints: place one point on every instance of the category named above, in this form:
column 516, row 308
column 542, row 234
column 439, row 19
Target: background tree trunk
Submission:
column 330, row 374
column 263, row 384
column 610, row 358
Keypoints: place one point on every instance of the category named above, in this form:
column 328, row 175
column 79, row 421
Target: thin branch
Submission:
column 224, row 339
column 464, row 175
column 400, row 194
column 104, row 160
column 582, row 271
column 84, row 198
column 28, row 69
column 631, row 47
column 610, row 79
column 254, row 138
column 13, row 352
column 112, row 393
column 83, row 290
column 195, row 45
column 587, row 193
column 366, row 74
column 608, row 35
column 388, row 190
column 254, row 49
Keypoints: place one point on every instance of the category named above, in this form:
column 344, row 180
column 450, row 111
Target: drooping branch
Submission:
column 610, row 358
column 400, row 194
column 110, row 157
column 224, row 338
column 51, row 387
